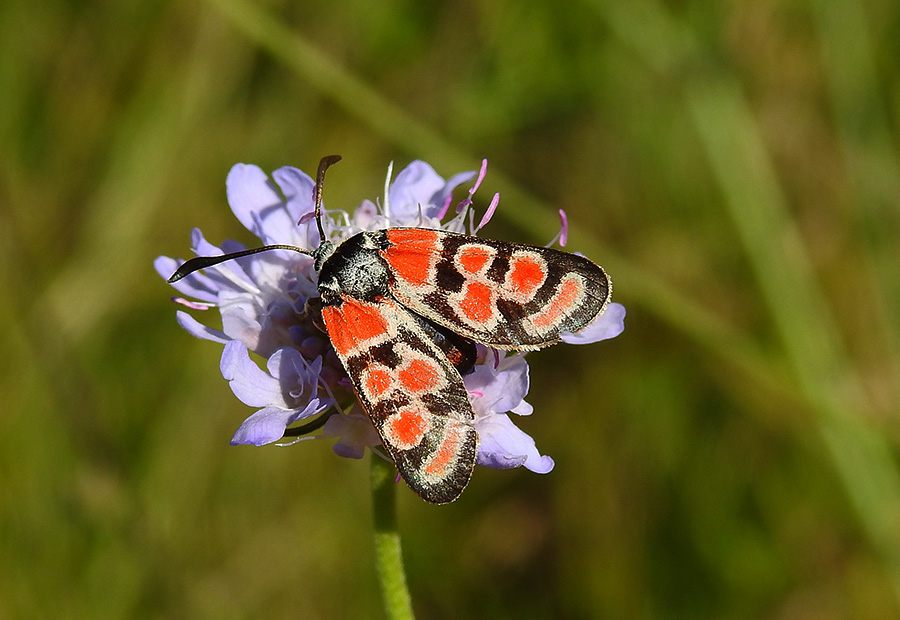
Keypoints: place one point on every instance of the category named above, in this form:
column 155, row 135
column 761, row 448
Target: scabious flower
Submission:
column 266, row 301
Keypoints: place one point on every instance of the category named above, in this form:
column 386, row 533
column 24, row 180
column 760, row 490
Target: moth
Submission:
column 403, row 309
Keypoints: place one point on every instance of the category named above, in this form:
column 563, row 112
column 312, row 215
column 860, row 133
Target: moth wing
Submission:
column 505, row 295
column 410, row 390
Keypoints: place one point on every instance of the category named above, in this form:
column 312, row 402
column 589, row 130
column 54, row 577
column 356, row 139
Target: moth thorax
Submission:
column 364, row 276
column 354, row 270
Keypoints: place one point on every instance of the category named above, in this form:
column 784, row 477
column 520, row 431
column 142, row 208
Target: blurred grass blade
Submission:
column 861, row 455
column 332, row 80
column 863, row 126
column 787, row 281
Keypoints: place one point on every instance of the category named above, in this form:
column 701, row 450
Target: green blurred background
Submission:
column 733, row 165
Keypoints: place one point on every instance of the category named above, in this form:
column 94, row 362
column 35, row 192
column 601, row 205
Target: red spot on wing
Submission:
column 566, row 297
column 526, row 274
column 445, row 454
column 411, row 253
column 352, row 323
column 478, row 303
column 419, row 376
column 406, row 428
column 473, row 258
column 378, row 382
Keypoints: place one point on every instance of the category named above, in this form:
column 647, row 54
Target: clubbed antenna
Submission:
column 202, row 262
column 324, row 164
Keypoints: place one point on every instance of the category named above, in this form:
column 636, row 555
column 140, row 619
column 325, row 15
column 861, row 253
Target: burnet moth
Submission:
column 403, row 309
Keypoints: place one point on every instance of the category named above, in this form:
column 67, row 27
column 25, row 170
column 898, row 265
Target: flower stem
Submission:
column 388, row 555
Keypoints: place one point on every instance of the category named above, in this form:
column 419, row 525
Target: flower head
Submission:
column 268, row 306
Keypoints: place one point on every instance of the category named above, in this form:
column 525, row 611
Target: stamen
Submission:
column 563, row 235
column 481, row 174
column 194, row 305
column 386, row 209
column 489, row 213
column 466, row 202
column 564, row 231
column 445, row 207
column 421, row 216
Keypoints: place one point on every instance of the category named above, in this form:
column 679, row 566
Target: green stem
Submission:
column 388, row 555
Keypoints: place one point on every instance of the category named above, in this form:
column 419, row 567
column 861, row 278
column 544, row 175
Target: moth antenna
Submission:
column 202, row 262
column 324, row 164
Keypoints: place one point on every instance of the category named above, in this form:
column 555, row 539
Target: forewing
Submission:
column 410, row 390
column 505, row 295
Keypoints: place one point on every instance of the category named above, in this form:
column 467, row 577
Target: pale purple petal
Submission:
column 252, row 385
column 496, row 458
column 213, row 278
column 299, row 378
column 414, row 186
column 270, row 268
column 268, row 424
column 250, row 192
column 500, row 390
column 166, row 266
column 441, row 199
column 504, row 446
column 419, row 185
column 608, row 325
column 281, row 225
column 264, row 426
column 298, row 189
column 201, row 246
column 199, row 330
column 523, row 408
column 240, row 319
column 355, row 433
column 189, row 286
column 366, row 215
